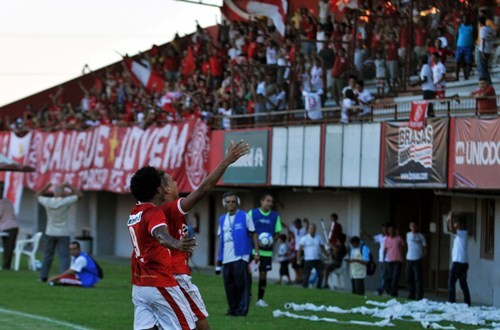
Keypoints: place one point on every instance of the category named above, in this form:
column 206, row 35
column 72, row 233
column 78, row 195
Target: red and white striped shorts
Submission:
column 167, row 308
column 193, row 296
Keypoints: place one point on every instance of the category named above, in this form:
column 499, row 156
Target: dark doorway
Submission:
column 415, row 205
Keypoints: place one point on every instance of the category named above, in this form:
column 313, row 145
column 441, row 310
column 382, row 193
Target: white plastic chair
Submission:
column 31, row 253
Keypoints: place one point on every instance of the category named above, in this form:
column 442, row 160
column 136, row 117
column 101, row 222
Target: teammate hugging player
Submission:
column 175, row 209
column 158, row 299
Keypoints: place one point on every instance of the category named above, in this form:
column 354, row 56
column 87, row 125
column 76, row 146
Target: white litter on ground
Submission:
column 384, row 323
column 428, row 313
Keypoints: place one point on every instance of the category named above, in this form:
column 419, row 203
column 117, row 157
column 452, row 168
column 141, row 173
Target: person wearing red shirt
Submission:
column 392, row 59
column 216, row 70
column 339, row 74
column 175, row 209
column 252, row 50
column 393, row 248
column 158, row 299
column 420, row 47
column 171, row 65
column 486, row 104
column 443, row 52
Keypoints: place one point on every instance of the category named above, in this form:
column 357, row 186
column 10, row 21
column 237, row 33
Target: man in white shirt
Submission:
column 385, row 276
column 439, row 75
column 486, row 48
column 417, row 249
column 460, row 263
column 310, row 245
column 57, row 230
column 236, row 234
column 426, row 80
column 364, row 98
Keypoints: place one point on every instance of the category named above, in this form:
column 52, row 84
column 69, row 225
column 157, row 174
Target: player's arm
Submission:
column 255, row 240
column 451, row 228
column 235, row 152
column 164, row 238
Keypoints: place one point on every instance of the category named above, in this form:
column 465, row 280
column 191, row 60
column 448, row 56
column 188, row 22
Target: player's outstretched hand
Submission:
column 236, row 151
column 186, row 244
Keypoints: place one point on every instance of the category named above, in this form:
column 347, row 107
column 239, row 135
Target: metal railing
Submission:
column 379, row 112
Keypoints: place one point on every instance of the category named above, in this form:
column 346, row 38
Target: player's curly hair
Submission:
column 145, row 183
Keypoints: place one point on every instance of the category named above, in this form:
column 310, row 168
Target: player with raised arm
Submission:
column 175, row 209
column 158, row 300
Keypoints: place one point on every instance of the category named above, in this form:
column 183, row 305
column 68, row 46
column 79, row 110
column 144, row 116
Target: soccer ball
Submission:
column 265, row 240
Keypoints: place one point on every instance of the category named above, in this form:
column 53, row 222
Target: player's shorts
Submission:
column 464, row 54
column 265, row 264
column 166, row 308
column 193, row 296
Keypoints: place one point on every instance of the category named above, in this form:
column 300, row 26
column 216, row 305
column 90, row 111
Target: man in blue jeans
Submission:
column 417, row 248
column 57, row 230
column 460, row 264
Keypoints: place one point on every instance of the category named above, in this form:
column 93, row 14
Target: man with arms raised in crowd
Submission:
column 158, row 300
column 266, row 221
column 175, row 209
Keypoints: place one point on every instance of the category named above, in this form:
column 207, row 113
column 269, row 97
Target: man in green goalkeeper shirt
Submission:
column 266, row 221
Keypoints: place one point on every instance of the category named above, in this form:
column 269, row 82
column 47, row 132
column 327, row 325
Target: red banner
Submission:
column 18, row 149
column 106, row 157
column 475, row 153
column 418, row 114
column 4, row 149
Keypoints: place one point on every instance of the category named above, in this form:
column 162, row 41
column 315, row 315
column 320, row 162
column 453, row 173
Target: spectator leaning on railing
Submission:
column 486, row 102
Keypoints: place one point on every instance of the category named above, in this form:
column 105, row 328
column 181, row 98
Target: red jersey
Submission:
column 486, row 106
column 391, row 51
column 177, row 229
column 340, row 67
column 150, row 261
column 419, row 37
column 216, row 68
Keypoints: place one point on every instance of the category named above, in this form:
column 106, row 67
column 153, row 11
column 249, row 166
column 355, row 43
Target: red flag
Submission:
column 418, row 114
column 243, row 10
column 144, row 75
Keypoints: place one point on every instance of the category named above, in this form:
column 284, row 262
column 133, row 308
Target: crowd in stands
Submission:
column 249, row 68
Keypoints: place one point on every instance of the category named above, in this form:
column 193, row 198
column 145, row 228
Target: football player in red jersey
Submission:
column 175, row 209
column 158, row 300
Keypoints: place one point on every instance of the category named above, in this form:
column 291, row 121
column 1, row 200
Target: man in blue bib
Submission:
column 82, row 272
column 265, row 221
column 236, row 235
